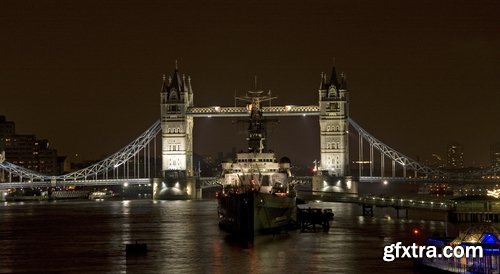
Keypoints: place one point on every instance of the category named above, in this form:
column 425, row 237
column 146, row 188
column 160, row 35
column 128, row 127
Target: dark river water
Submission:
column 183, row 237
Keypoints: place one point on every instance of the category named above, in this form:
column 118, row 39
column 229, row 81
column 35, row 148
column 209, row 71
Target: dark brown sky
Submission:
column 86, row 74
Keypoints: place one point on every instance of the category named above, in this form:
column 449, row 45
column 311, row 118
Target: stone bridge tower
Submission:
column 334, row 126
column 177, row 127
column 333, row 172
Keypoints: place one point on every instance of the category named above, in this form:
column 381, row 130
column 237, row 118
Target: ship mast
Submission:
column 256, row 129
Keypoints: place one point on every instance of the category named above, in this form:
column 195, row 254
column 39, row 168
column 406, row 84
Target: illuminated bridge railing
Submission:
column 434, row 204
column 408, row 202
column 396, row 157
column 110, row 182
column 4, row 186
column 217, row 111
column 101, row 169
column 104, row 182
column 205, row 182
column 374, row 179
column 301, row 180
column 22, row 172
column 489, row 173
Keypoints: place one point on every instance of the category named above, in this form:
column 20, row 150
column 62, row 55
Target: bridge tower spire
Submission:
column 177, row 127
column 334, row 125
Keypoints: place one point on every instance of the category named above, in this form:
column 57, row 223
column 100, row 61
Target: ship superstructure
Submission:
column 257, row 196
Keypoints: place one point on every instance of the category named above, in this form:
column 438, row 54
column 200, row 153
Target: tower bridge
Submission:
column 137, row 162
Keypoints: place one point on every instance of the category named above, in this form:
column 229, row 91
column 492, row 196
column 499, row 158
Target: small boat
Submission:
column 257, row 196
column 101, row 195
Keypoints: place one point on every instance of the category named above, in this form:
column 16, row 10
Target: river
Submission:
column 183, row 237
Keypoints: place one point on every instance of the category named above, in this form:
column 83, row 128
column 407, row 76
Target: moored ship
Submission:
column 256, row 197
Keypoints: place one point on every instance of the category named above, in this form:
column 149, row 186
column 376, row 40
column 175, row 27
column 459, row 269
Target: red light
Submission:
column 416, row 231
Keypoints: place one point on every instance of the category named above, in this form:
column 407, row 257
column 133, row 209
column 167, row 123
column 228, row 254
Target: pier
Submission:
column 369, row 202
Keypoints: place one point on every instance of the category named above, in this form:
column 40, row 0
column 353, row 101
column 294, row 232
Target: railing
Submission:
column 111, row 163
column 217, row 111
column 380, row 201
column 110, row 182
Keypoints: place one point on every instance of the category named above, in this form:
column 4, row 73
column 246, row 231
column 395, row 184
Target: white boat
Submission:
column 101, row 195
column 257, row 196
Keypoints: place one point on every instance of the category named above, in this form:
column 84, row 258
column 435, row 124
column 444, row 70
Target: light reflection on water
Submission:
column 183, row 237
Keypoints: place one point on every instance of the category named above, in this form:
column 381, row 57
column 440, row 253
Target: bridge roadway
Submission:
column 374, row 179
column 104, row 182
column 397, row 202
column 216, row 111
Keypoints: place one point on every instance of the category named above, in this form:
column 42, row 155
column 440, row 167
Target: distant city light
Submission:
column 493, row 193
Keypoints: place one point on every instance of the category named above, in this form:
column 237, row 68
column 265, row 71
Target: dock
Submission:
column 309, row 218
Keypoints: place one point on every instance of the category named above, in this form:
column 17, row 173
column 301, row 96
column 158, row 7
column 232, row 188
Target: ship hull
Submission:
column 253, row 213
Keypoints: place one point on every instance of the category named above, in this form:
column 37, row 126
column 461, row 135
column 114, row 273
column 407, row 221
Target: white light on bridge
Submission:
column 362, row 162
column 385, row 182
column 288, row 108
column 125, row 184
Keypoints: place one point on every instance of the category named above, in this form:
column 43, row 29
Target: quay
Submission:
column 465, row 209
column 369, row 202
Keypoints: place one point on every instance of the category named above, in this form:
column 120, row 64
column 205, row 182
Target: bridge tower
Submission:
column 334, row 139
column 334, row 111
column 177, row 130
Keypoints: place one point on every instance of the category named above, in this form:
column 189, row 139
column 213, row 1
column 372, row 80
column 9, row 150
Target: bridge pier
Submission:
column 329, row 183
column 171, row 188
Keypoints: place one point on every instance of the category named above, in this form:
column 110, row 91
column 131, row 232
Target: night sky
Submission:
column 87, row 74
